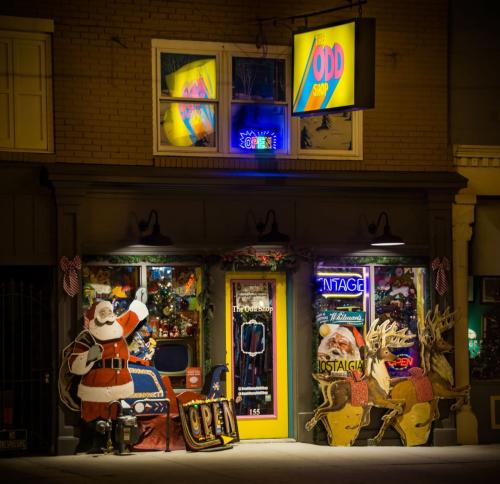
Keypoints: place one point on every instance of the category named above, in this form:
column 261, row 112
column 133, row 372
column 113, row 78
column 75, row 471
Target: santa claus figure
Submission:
column 103, row 364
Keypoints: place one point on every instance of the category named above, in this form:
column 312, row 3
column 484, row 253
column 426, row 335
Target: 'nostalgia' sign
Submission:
column 340, row 284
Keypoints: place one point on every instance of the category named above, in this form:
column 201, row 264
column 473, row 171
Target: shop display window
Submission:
column 117, row 284
column 349, row 299
column 171, row 338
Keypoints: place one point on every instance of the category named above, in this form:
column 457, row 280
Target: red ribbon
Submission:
column 70, row 270
column 441, row 266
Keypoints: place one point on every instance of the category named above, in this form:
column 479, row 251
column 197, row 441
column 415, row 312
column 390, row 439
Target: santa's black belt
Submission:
column 114, row 363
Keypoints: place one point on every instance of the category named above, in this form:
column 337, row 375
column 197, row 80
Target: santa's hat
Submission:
column 357, row 335
column 96, row 307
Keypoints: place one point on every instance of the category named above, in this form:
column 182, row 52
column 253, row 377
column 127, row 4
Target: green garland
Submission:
column 141, row 259
column 353, row 261
column 207, row 316
column 273, row 260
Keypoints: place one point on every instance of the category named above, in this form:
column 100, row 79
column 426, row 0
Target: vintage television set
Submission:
column 173, row 356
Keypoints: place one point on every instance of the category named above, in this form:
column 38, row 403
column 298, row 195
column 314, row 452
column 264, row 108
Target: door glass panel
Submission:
column 253, row 352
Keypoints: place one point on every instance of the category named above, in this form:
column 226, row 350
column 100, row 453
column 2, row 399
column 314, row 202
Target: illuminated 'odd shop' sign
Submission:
column 340, row 284
column 334, row 68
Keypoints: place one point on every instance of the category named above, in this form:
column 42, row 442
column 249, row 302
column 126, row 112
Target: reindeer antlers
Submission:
column 440, row 322
column 387, row 334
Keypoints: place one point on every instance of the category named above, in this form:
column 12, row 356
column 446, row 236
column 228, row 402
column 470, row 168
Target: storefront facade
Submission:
column 113, row 155
column 327, row 226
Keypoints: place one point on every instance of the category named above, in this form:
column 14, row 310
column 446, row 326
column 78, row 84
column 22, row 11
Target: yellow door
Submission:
column 256, row 352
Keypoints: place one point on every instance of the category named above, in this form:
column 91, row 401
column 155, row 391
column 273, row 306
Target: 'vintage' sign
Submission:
column 208, row 423
column 340, row 284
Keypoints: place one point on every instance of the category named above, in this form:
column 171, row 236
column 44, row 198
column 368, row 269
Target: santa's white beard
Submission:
column 339, row 354
column 105, row 332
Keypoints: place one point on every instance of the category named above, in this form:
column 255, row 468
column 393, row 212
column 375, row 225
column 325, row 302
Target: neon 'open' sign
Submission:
column 258, row 140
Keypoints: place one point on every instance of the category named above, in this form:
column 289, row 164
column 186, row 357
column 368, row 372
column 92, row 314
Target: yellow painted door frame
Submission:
column 263, row 426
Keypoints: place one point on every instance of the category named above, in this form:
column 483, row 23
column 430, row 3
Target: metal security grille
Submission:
column 27, row 402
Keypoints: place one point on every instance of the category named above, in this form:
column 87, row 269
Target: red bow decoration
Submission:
column 441, row 266
column 70, row 270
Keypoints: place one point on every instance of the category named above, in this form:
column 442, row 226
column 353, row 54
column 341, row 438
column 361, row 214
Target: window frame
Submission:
column 273, row 52
column 194, row 48
column 224, row 53
column 22, row 30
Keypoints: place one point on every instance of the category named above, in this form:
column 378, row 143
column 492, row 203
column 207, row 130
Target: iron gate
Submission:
column 27, row 359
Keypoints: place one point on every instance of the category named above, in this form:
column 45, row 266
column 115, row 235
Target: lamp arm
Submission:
column 373, row 228
column 143, row 225
column 380, row 219
column 262, row 226
column 268, row 214
column 155, row 213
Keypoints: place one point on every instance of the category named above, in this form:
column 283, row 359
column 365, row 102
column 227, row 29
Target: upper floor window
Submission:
column 25, row 84
column 231, row 100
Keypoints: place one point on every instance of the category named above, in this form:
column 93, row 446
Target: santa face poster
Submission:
column 253, row 347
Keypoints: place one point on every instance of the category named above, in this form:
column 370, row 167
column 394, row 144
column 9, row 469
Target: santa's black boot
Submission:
column 92, row 440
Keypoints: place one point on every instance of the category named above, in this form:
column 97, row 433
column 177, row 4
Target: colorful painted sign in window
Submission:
column 253, row 326
column 326, row 72
column 185, row 77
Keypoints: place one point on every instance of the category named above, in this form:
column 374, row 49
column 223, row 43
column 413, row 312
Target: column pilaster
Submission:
column 463, row 218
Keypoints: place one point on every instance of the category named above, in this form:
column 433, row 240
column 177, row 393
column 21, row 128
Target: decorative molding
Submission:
column 27, row 24
column 477, row 156
column 108, row 179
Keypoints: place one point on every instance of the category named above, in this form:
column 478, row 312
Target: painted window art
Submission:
column 253, row 308
column 188, row 100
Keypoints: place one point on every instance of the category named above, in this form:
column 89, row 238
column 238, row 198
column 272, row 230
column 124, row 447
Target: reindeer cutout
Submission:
column 337, row 393
column 433, row 348
column 435, row 379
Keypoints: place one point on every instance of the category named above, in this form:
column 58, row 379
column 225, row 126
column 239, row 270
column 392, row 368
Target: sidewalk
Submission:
column 276, row 463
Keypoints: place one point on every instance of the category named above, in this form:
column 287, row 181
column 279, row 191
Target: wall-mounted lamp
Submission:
column 274, row 236
column 155, row 237
column 387, row 238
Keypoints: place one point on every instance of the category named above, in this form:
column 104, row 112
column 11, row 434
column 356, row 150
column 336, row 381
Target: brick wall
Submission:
column 102, row 87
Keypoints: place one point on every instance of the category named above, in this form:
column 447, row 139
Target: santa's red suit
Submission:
column 104, row 366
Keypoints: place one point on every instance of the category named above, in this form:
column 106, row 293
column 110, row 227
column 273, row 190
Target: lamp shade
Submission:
column 155, row 238
column 387, row 239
